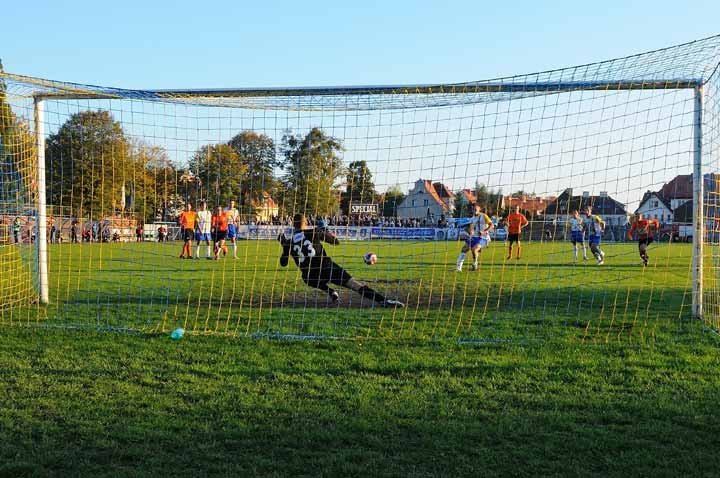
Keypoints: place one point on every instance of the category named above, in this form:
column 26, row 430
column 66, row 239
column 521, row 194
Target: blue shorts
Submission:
column 577, row 236
column 202, row 237
column 473, row 242
column 594, row 239
column 232, row 231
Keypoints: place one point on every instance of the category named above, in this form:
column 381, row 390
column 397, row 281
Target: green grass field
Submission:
column 146, row 287
column 536, row 367
column 83, row 403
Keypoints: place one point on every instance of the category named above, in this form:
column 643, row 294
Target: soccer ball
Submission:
column 370, row 258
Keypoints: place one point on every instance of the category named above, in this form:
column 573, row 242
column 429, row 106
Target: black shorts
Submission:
column 647, row 241
column 188, row 234
column 219, row 236
column 328, row 272
column 513, row 238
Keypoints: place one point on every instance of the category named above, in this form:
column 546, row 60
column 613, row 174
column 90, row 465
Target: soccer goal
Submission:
column 578, row 202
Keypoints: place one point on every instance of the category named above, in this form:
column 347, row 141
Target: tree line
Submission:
column 90, row 161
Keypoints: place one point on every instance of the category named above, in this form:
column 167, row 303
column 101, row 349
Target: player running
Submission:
column 317, row 268
column 220, row 226
column 233, row 223
column 516, row 221
column 203, row 233
column 475, row 244
column 577, row 234
column 595, row 227
column 645, row 235
column 188, row 221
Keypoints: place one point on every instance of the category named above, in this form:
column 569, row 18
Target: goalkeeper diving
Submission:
column 317, row 268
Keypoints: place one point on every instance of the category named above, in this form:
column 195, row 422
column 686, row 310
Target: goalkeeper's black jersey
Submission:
column 306, row 249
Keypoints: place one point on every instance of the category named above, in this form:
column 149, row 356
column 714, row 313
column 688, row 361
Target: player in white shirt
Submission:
column 577, row 234
column 204, row 226
column 595, row 226
column 475, row 244
column 233, row 223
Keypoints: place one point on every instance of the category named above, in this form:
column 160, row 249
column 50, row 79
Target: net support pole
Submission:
column 698, row 208
column 41, row 208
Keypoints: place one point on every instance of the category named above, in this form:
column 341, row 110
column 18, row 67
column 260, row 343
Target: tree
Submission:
column 256, row 153
column 220, row 172
column 88, row 161
column 463, row 208
column 359, row 187
column 154, row 182
column 312, row 167
column 391, row 200
column 17, row 155
column 487, row 199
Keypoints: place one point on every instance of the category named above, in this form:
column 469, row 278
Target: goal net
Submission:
column 423, row 211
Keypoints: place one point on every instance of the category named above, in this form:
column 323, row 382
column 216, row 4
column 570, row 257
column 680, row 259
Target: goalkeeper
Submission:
column 317, row 268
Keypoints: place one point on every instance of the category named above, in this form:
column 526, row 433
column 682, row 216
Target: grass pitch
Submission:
column 144, row 286
column 83, row 403
column 513, row 381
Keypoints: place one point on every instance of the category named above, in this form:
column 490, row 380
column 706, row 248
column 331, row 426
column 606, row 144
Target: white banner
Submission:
column 364, row 209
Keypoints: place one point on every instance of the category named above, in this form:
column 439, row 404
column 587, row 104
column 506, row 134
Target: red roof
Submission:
column 535, row 204
column 267, row 202
column 469, row 195
column 680, row 187
column 432, row 190
column 443, row 191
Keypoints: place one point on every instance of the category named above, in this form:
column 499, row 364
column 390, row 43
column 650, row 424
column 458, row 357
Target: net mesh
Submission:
column 397, row 171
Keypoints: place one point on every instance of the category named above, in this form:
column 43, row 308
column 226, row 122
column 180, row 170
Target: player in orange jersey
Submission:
column 188, row 221
column 516, row 221
column 220, row 221
column 643, row 227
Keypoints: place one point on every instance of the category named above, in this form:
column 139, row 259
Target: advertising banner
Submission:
column 356, row 233
column 357, row 209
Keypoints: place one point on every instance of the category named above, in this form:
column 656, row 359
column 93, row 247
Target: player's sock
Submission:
column 510, row 252
column 518, row 252
column 371, row 294
column 461, row 259
column 208, row 250
column 197, row 251
column 234, row 249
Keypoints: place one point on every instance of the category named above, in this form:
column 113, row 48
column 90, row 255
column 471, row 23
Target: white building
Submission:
column 654, row 206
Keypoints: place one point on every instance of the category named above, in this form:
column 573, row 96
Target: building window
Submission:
column 425, row 202
column 655, row 204
column 413, row 203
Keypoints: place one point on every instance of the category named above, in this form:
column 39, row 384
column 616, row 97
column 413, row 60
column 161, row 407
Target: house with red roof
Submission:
column 427, row 200
column 535, row 205
column 265, row 208
column 661, row 205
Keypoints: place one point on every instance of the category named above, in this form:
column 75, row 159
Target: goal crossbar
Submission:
column 426, row 89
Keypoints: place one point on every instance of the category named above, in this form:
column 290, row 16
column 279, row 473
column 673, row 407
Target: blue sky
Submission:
column 184, row 44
